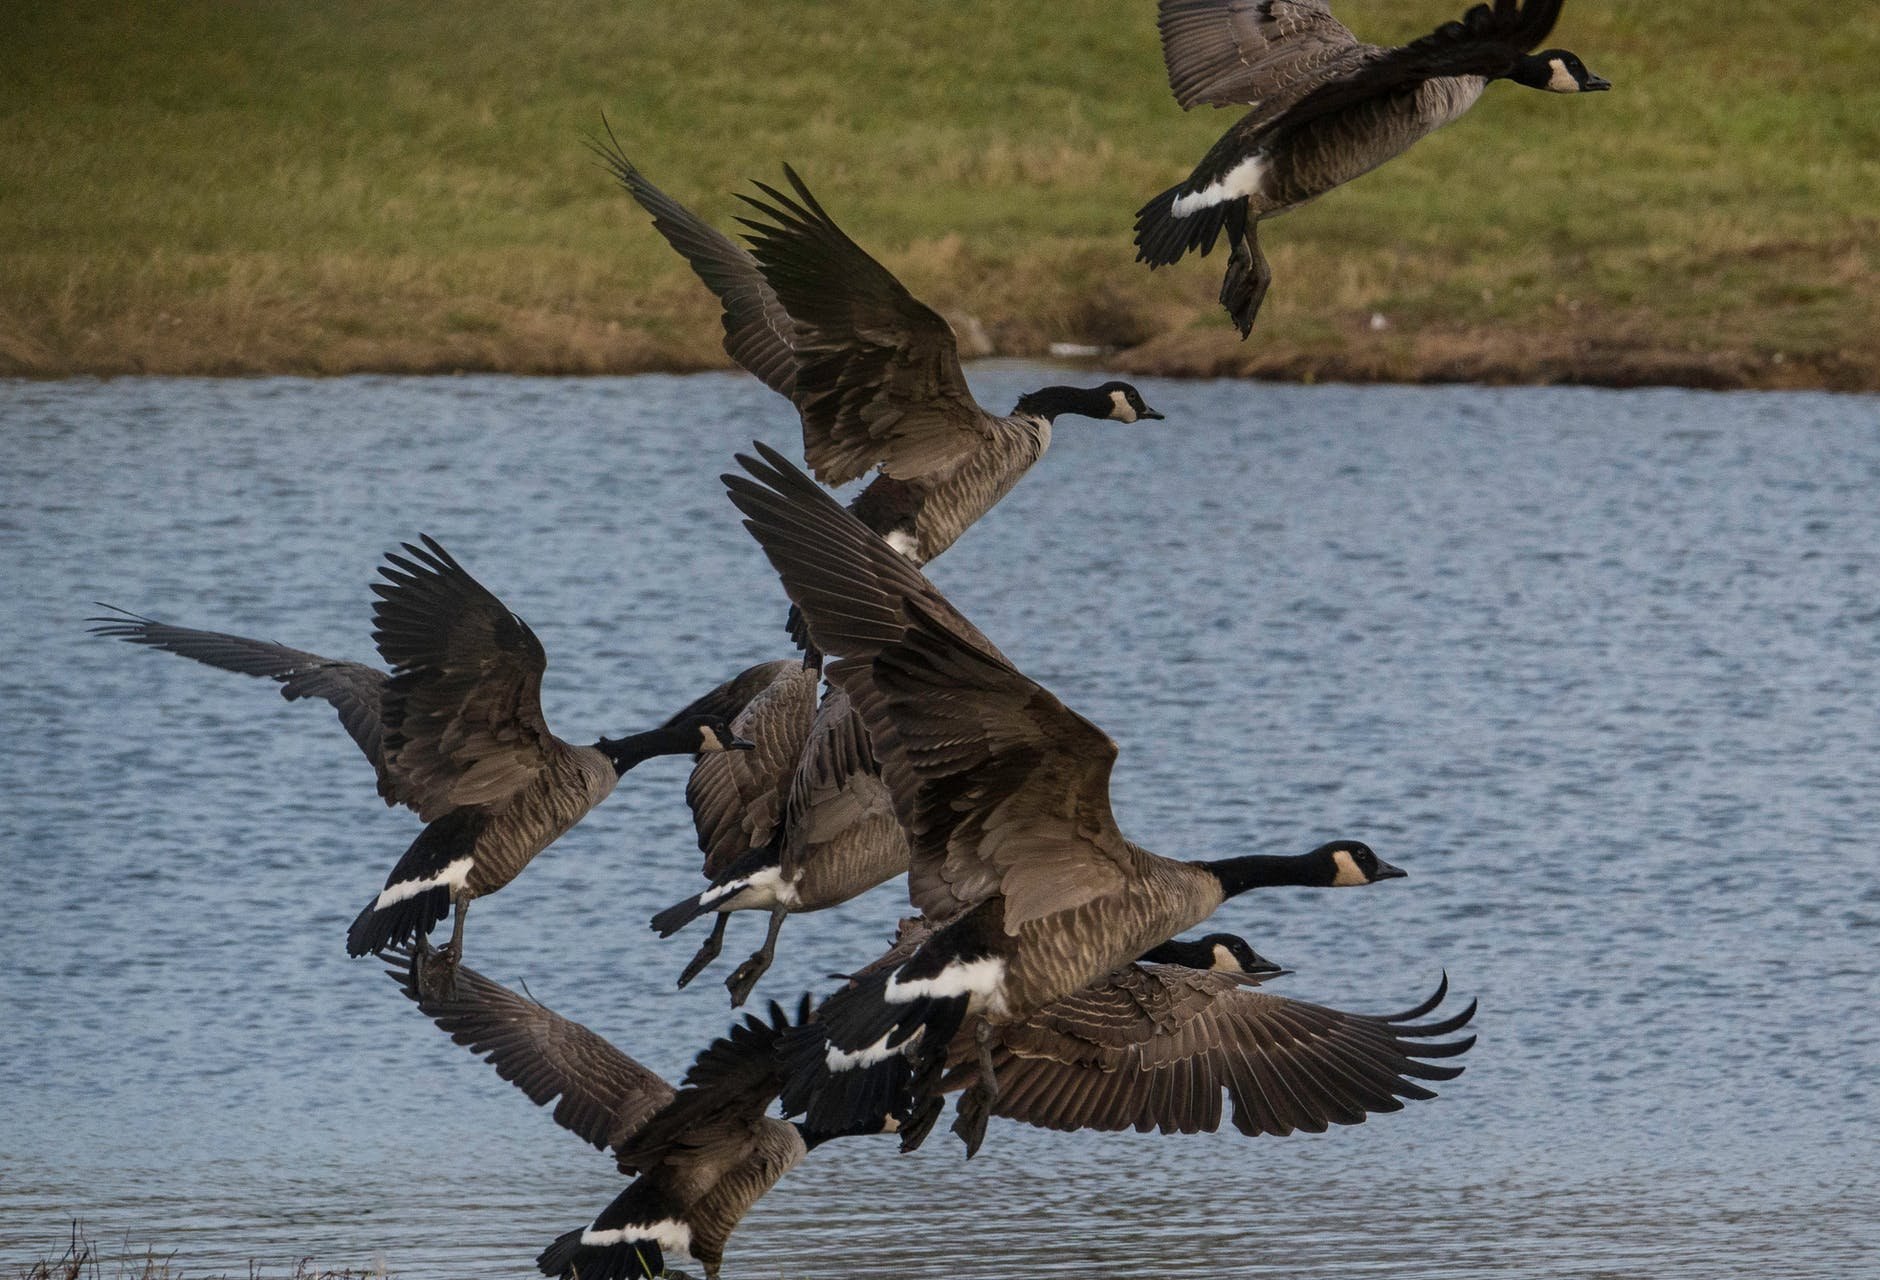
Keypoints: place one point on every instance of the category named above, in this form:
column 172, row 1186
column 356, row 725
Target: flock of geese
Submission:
column 1043, row 979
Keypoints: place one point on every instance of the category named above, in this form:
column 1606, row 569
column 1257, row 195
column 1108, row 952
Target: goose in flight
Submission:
column 455, row 732
column 873, row 372
column 1004, row 794
column 1324, row 108
column 802, row 823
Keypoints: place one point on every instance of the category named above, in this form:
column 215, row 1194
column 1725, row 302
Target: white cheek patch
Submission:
column 979, row 978
column 1243, row 179
column 1348, row 873
column 1224, row 960
column 708, row 739
column 838, row 1060
column 1561, row 81
column 1120, row 408
column 667, row 1234
column 905, row 543
column 451, row 877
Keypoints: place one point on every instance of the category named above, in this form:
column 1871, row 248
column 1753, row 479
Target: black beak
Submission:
column 1595, row 84
column 1387, row 872
column 1147, row 412
column 745, row 744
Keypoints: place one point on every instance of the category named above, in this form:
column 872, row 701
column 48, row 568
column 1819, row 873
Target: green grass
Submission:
column 319, row 187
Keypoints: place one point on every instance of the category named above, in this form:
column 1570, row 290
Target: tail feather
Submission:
column 417, row 893
column 1163, row 238
column 860, row 1060
column 680, row 914
column 403, row 922
column 627, row 1241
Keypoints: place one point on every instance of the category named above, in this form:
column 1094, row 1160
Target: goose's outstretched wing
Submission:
column 878, row 378
column 1157, row 1046
column 600, row 1094
column 353, row 689
column 463, row 710
column 1002, row 788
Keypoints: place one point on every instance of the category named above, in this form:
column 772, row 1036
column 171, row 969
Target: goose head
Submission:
column 1349, row 863
column 1113, row 401
column 1220, row 952
column 1557, row 71
column 712, row 733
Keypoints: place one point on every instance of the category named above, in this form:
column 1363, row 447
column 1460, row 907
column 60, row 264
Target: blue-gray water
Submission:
column 1599, row 669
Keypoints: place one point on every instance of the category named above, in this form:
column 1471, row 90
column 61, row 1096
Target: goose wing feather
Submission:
column 353, row 689
column 758, row 331
column 1156, row 1046
column 1001, row 788
column 600, row 1094
column 463, row 709
column 737, row 797
column 836, row 792
column 1250, row 52
column 878, row 379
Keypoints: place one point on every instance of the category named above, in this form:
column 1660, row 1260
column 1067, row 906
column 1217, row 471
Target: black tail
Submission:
column 723, row 886
column 879, row 1067
column 1163, row 238
column 680, row 914
column 418, row 892
column 626, row 1242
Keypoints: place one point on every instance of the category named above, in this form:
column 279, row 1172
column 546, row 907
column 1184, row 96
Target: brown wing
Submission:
column 757, row 328
column 463, row 709
column 878, row 378
column 352, row 688
column 1249, row 52
column 737, row 797
column 605, row 1097
column 1158, row 1046
column 839, row 807
column 1002, row 789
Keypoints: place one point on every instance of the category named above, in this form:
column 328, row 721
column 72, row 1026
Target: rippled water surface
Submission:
column 1598, row 669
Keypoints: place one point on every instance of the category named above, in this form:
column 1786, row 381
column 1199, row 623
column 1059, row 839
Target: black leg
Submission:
column 709, row 951
column 741, row 982
column 1244, row 287
column 975, row 1105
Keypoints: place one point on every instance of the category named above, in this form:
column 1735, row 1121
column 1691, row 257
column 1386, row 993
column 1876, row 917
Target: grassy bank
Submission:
column 327, row 187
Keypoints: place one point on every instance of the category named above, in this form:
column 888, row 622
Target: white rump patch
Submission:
column 451, row 877
column 760, row 892
column 979, row 978
column 905, row 543
column 841, row 1060
column 667, row 1234
column 1243, row 179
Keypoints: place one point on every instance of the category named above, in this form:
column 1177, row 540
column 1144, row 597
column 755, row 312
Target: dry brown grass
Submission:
column 83, row 1261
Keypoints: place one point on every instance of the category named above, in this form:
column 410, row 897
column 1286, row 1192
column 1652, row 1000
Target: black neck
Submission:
column 1193, row 955
column 1263, row 871
column 1049, row 402
column 639, row 747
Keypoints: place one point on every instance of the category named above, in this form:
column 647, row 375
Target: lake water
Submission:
column 1599, row 669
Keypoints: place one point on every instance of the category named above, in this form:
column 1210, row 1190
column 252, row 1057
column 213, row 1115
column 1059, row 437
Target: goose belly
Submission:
column 976, row 485
column 535, row 819
column 1335, row 149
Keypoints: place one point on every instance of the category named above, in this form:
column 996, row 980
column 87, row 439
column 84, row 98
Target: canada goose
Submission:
column 874, row 373
column 455, row 732
column 1004, row 793
column 704, row 1154
column 800, row 824
column 1325, row 109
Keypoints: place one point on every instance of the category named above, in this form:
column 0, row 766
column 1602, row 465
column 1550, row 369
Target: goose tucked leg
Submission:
column 1244, row 287
column 975, row 1105
column 739, row 984
column 708, row 950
